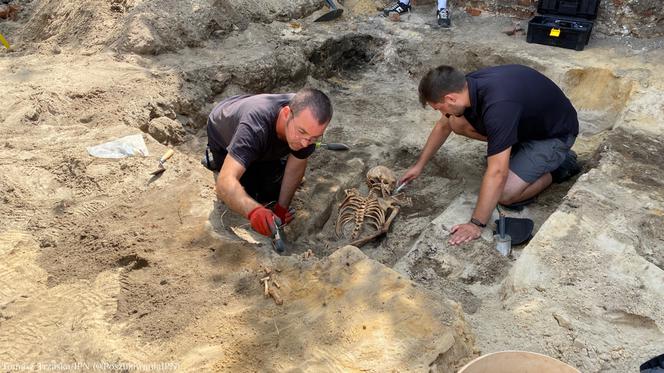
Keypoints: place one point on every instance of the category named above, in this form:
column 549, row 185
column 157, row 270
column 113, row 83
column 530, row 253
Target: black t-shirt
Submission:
column 514, row 103
column 246, row 127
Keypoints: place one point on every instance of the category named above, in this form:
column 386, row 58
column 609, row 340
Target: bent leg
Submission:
column 517, row 190
column 530, row 168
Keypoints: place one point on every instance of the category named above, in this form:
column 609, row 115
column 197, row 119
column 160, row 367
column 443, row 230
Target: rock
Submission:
column 161, row 109
column 166, row 131
column 473, row 11
column 9, row 11
column 395, row 17
column 515, row 29
column 562, row 321
column 141, row 38
column 31, row 114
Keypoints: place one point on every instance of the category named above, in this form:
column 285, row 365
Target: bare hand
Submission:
column 410, row 175
column 464, row 233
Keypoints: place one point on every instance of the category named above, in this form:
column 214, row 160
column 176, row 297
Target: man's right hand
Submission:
column 263, row 221
column 411, row 174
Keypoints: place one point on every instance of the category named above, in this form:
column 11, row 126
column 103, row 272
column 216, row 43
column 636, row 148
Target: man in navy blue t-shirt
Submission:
column 527, row 121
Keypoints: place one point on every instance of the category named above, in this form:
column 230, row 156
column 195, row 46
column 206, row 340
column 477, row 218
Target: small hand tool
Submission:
column 334, row 12
column 169, row 153
column 400, row 187
column 4, row 42
column 503, row 241
column 332, row 146
column 277, row 241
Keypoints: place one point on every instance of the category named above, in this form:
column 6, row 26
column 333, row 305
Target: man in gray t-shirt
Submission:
column 260, row 145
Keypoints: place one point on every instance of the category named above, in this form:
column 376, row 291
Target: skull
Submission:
column 381, row 180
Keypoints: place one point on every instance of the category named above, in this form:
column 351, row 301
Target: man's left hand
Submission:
column 285, row 214
column 464, row 233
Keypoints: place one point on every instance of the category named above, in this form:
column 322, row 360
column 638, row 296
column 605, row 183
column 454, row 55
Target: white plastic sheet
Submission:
column 120, row 148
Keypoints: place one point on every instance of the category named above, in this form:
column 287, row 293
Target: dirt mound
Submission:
column 344, row 311
column 146, row 27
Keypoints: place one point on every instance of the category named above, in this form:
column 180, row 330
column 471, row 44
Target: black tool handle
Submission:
column 501, row 224
column 277, row 242
column 330, row 3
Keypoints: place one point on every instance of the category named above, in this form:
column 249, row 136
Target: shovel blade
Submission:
column 336, row 146
column 158, row 171
column 329, row 16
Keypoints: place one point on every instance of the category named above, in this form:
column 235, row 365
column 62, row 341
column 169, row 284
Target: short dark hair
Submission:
column 314, row 100
column 438, row 82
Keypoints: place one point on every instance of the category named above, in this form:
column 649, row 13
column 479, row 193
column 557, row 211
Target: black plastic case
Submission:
column 563, row 23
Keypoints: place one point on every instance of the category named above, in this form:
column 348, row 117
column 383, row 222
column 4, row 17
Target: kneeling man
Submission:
column 525, row 118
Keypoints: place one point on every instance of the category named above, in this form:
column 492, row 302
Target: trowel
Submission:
column 503, row 240
column 162, row 160
column 332, row 146
column 511, row 232
column 334, row 12
column 278, row 241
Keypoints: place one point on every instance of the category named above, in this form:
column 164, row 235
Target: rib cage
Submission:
column 371, row 215
column 359, row 210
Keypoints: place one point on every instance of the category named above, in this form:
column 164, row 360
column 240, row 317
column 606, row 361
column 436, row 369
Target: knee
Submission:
column 507, row 198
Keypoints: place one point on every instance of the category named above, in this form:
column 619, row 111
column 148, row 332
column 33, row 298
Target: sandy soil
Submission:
column 103, row 263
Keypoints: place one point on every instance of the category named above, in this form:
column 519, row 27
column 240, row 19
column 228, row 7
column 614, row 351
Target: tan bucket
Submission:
column 516, row 362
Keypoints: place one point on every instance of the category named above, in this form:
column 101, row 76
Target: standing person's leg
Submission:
column 399, row 7
column 443, row 14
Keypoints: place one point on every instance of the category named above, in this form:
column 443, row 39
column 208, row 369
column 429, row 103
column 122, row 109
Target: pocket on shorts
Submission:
column 558, row 153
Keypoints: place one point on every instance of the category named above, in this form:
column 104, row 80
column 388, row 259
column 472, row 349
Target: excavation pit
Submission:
column 99, row 265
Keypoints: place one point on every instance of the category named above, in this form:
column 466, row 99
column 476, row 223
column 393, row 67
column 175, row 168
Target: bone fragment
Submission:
column 274, row 293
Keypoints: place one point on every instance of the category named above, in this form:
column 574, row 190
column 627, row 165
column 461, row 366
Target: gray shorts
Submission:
column 531, row 159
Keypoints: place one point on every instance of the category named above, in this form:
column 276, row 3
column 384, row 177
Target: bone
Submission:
column 373, row 213
column 274, row 293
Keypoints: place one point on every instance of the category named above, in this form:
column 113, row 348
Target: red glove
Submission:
column 263, row 220
column 284, row 214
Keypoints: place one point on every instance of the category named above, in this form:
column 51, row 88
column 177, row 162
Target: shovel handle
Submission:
column 169, row 153
column 330, row 3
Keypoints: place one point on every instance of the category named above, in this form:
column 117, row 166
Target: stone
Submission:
column 166, row 131
column 473, row 11
column 9, row 12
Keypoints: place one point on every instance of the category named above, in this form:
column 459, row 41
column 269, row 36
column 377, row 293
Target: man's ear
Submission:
column 451, row 98
column 286, row 111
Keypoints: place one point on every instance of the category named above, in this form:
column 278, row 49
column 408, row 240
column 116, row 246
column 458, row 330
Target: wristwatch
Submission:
column 477, row 222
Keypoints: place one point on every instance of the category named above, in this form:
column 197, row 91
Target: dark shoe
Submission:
column 443, row 16
column 398, row 7
column 567, row 169
column 518, row 206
